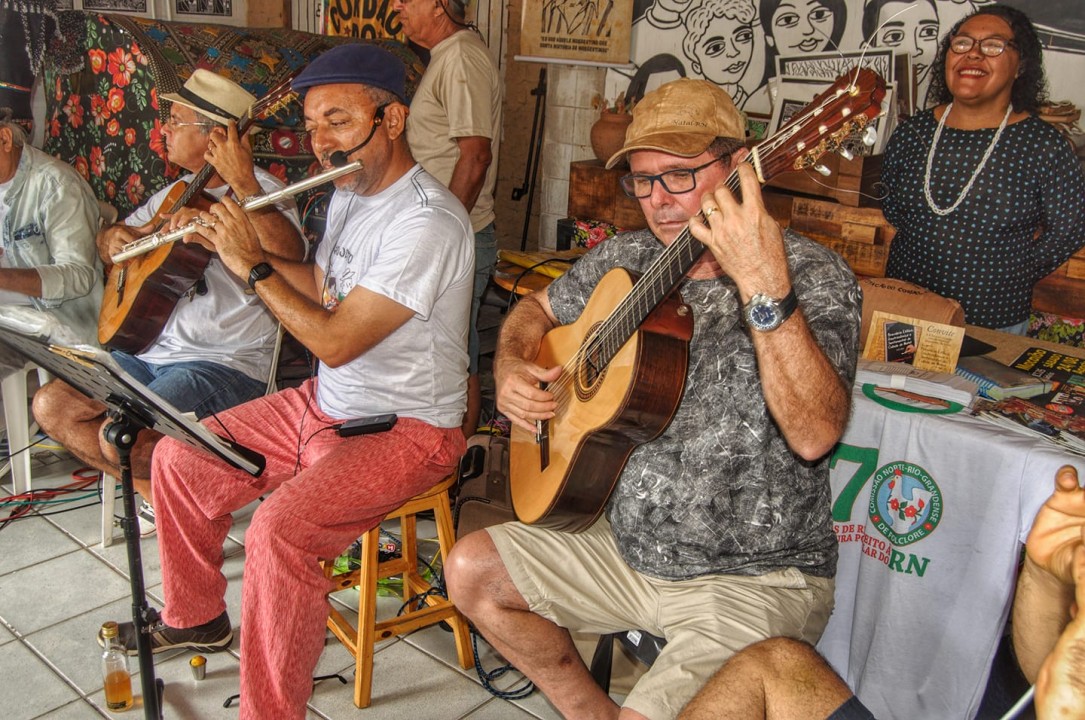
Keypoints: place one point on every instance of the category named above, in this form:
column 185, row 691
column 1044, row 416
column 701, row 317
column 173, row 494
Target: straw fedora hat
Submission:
column 216, row 97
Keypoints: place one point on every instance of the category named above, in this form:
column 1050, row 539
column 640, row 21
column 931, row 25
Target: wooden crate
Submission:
column 594, row 194
column 850, row 182
column 1063, row 291
column 860, row 235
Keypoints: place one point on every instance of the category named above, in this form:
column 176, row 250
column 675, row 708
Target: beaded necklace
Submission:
column 979, row 168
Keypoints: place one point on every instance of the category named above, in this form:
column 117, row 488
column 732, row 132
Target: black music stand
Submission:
column 133, row 407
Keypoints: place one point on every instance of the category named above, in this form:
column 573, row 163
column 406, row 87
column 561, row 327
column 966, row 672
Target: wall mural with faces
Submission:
column 734, row 43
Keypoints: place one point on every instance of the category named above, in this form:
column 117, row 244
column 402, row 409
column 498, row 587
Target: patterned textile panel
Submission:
column 105, row 119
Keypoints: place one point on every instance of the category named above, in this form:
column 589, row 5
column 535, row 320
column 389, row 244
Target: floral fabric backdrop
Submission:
column 105, row 119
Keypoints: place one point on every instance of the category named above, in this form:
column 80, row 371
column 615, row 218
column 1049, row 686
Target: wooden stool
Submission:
column 360, row 641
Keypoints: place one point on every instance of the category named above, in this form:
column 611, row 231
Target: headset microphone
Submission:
column 339, row 157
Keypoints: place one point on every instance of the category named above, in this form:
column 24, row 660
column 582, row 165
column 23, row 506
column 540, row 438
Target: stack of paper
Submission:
column 900, row 376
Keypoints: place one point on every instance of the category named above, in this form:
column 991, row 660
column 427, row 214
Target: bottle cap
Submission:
column 109, row 629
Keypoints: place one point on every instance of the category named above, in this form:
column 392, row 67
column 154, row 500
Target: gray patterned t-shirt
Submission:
column 720, row 491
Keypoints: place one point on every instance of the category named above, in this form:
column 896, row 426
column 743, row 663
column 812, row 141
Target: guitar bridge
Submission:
column 542, row 439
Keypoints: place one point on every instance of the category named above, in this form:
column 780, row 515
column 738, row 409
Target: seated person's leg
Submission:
column 525, row 588
column 75, row 421
column 204, row 388
column 775, row 679
column 201, row 388
column 347, row 486
column 708, row 619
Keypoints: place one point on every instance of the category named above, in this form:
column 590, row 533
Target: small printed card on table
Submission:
column 920, row 343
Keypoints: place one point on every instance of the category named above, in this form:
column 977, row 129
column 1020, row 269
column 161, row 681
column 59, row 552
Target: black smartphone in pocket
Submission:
column 367, row 425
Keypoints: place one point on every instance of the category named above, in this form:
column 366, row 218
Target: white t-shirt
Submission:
column 412, row 242
column 7, row 297
column 228, row 324
column 930, row 512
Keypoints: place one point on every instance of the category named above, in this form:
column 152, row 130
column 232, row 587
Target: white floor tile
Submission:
column 30, row 541
column 50, row 592
column 29, row 688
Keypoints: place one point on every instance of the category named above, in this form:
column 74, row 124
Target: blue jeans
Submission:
column 485, row 259
column 1020, row 328
column 202, row 388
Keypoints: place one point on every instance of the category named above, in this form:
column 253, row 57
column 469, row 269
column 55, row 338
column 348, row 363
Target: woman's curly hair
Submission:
column 1029, row 88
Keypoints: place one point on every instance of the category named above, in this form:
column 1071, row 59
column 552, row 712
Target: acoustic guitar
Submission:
column 624, row 360
column 140, row 294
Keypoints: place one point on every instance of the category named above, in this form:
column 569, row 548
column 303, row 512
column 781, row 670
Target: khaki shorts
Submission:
column 580, row 582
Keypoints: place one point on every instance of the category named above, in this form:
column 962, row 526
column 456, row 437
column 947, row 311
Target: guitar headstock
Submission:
column 272, row 102
column 847, row 107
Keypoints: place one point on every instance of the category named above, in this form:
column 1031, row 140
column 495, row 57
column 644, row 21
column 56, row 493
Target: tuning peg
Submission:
column 823, row 170
column 846, row 154
column 870, row 136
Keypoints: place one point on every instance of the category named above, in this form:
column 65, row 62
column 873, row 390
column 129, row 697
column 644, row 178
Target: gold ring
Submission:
column 710, row 212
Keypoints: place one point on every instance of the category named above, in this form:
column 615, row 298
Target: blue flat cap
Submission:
column 355, row 63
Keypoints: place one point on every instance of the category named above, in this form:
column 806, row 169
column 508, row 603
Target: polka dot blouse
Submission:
column 1023, row 217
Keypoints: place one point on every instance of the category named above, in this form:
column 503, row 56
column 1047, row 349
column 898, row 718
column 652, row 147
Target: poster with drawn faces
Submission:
column 734, row 43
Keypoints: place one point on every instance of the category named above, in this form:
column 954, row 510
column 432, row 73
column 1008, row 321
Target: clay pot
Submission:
column 608, row 134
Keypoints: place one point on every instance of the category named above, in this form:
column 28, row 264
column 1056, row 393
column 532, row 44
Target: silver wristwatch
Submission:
column 765, row 314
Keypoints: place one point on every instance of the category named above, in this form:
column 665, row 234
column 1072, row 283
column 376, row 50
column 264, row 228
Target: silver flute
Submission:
column 146, row 244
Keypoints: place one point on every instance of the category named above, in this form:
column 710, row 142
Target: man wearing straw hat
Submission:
column 215, row 349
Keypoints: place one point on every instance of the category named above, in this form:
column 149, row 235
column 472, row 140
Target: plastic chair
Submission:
column 20, row 428
column 360, row 640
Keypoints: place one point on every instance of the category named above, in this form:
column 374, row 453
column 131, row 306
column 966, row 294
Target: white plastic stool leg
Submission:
column 17, row 420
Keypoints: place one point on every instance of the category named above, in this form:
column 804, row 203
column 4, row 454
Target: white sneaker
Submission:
column 145, row 516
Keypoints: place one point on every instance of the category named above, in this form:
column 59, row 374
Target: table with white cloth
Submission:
column 931, row 509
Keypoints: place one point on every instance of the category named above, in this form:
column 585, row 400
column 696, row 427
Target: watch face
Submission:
column 764, row 315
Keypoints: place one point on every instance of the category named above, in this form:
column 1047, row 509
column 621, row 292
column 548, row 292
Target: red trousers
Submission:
column 328, row 491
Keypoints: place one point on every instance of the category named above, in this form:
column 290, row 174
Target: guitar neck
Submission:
column 204, row 175
column 658, row 281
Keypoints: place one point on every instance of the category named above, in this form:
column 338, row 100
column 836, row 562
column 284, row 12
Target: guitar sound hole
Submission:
column 591, row 368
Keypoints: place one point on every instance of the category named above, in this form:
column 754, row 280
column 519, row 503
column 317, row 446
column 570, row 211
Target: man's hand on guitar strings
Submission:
column 231, row 156
column 743, row 238
column 519, row 395
column 116, row 236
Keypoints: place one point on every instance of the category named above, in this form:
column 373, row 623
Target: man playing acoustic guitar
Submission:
column 214, row 350
column 718, row 531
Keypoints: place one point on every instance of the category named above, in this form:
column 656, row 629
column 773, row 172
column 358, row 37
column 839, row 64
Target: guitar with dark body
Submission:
column 624, row 360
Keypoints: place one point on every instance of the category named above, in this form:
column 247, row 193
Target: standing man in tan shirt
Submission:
column 454, row 129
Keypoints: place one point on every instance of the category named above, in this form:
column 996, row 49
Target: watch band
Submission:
column 260, row 271
column 788, row 305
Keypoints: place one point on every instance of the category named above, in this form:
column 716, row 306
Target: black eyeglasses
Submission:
column 991, row 47
column 676, row 182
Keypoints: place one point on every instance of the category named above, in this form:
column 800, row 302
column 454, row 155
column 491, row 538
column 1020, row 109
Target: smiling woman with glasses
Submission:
column 987, row 198
column 990, row 46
